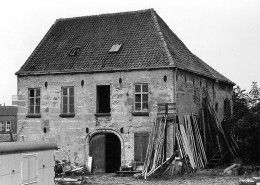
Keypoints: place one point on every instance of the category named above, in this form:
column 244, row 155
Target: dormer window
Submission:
column 115, row 48
column 74, row 51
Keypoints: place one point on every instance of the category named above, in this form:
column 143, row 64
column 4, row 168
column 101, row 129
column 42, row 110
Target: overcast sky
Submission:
column 223, row 33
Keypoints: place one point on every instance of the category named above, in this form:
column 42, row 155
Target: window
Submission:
column 227, row 108
column 115, row 48
column 67, row 100
column 34, row 101
column 141, row 97
column 8, row 126
column 29, row 168
column 2, row 126
column 140, row 146
column 103, row 99
column 74, row 51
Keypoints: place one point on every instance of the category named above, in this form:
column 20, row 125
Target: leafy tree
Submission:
column 254, row 94
column 240, row 104
column 245, row 123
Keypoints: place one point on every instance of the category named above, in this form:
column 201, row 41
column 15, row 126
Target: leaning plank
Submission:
column 161, row 168
column 187, row 146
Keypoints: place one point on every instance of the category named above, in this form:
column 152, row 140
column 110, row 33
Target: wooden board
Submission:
column 97, row 152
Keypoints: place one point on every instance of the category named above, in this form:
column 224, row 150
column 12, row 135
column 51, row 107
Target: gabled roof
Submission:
column 8, row 111
column 146, row 43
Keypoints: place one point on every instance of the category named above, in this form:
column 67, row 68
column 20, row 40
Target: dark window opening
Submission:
column 74, row 51
column 140, row 146
column 103, row 99
column 227, row 108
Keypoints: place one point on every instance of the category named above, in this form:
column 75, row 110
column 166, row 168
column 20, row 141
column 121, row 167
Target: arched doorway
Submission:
column 105, row 150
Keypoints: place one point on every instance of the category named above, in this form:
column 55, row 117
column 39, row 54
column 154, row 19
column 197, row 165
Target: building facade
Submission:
column 94, row 83
column 8, row 123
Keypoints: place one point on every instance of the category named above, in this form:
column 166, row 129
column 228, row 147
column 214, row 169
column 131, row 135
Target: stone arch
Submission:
column 105, row 130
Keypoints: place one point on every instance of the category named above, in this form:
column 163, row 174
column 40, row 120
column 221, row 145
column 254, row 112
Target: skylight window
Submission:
column 74, row 51
column 115, row 48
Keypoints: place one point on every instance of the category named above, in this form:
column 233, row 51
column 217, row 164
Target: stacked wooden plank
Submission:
column 155, row 150
column 190, row 143
column 221, row 140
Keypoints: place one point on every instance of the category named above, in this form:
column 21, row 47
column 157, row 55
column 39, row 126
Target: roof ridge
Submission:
column 159, row 31
column 106, row 14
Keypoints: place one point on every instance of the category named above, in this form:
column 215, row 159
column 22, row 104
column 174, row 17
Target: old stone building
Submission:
column 93, row 84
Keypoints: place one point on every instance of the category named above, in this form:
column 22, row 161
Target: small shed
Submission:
column 27, row 163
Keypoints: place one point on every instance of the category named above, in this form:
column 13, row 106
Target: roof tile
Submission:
column 147, row 42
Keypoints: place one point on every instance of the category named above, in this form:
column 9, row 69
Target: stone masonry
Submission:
column 70, row 133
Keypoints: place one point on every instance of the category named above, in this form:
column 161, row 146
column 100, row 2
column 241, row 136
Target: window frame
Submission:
column 6, row 125
column 68, row 96
column 35, row 97
column 142, row 110
column 2, row 127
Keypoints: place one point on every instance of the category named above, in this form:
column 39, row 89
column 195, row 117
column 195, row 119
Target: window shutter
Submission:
column 140, row 146
column 137, row 147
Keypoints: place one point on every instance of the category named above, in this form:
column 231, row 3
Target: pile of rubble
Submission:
column 68, row 173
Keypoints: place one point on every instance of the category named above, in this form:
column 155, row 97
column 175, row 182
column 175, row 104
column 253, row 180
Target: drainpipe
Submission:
column 175, row 86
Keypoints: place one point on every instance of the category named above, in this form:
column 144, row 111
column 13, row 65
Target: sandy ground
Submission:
column 194, row 179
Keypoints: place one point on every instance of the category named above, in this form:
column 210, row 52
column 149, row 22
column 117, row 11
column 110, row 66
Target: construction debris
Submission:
column 231, row 169
column 250, row 181
column 195, row 140
column 155, row 150
column 190, row 143
column 218, row 145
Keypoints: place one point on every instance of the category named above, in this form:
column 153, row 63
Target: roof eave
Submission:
column 33, row 73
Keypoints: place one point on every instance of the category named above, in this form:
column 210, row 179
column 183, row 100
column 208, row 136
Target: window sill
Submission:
column 140, row 113
column 102, row 114
column 67, row 115
column 33, row 116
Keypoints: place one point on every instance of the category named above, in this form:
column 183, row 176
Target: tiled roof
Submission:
column 147, row 42
column 8, row 111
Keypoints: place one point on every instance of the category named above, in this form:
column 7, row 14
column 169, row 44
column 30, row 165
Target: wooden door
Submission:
column 140, row 146
column 97, row 152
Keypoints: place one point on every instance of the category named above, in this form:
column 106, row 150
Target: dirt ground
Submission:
column 200, row 178
column 109, row 179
